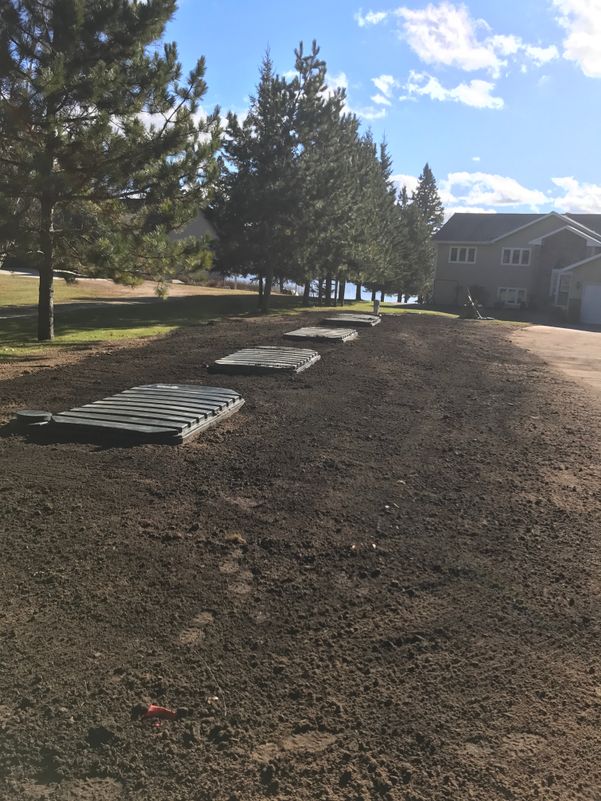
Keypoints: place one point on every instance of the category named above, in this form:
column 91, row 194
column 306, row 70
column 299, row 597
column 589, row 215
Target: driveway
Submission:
column 576, row 353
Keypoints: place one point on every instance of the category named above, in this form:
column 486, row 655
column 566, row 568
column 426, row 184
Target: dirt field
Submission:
column 381, row 580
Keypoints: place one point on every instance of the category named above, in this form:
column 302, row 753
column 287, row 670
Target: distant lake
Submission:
column 349, row 293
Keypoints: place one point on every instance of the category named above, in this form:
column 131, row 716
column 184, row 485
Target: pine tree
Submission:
column 428, row 201
column 420, row 252
column 255, row 210
column 326, row 180
column 103, row 145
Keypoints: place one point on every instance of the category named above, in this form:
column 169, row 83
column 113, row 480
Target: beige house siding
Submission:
column 488, row 272
column 557, row 251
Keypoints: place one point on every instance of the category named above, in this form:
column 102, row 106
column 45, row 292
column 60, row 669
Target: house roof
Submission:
column 466, row 227
column 590, row 221
column 589, row 236
column 567, row 269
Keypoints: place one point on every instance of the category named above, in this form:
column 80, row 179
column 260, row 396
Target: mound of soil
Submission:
column 380, row 580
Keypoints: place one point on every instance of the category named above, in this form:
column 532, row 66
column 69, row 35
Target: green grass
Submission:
column 18, row 290
column 77, row 327
column 389, row 309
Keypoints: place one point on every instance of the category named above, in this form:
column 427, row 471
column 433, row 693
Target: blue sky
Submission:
column 503, row 99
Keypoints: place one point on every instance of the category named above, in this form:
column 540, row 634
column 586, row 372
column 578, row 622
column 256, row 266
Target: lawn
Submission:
column 21, row 290
column 131, row 313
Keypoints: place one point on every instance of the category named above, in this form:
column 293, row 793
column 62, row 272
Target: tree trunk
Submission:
column 46, row 290
column 282, row 285
column 399, row 297
column 320, row 292
column 342, row 291
column 373, row 295
column 358, row 292
column 328, row 289
column 260, row 286
column 266, row 297
column 335, row 295
column 382, row 296
column 306, row 293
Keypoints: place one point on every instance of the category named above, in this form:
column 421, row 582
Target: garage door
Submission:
column 590, row 311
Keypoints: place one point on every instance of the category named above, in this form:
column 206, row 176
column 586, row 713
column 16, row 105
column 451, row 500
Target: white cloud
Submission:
column 380, row 100
column 334, row 82
column 338, row 81
column 481, row 193
column 445, row 34
column 541, row 55
column 476, row 93
column 371, row 18
column 581, row 20
column 505, row 45
column 369, row 113
column 410, row 181
column 385, row 84
column 481, row 189
column 578, row 197
column 475, row 158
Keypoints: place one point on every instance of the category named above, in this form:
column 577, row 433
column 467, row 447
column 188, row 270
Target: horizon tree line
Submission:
column 305, row 196
column 105, row 150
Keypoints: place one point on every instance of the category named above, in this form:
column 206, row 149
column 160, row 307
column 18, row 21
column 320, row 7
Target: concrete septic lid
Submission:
column 266, row 359
column 352, row 320
column 319, row 334
column 162, row 413
column 28, row 417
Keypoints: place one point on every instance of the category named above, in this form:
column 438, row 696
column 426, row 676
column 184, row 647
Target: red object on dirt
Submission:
column 155, row 711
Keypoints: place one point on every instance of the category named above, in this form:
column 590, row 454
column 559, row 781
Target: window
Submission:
column 512, row 296
column 519, row 257
column 463, row 255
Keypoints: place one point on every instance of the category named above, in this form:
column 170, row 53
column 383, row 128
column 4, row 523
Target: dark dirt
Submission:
column 380, row 580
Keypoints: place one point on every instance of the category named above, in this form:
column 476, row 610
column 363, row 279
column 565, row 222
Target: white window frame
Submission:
column 520, row 262
column 516, row 289
column 469, row 250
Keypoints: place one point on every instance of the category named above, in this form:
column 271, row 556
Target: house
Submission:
column 198, row 227
column 542, row 261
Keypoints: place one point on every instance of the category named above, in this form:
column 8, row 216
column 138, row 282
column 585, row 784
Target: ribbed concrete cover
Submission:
column 169, row 413
column 320, row 334
column 266, row 359
column 352, row 320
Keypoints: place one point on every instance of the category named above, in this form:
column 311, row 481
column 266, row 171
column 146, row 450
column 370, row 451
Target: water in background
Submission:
column 242, row 282
column 349, row 294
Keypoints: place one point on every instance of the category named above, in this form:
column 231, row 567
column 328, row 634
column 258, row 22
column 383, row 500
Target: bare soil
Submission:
column 380, row 580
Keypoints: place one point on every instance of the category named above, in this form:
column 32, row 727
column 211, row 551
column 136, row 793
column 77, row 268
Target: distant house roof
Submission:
column 465, row 227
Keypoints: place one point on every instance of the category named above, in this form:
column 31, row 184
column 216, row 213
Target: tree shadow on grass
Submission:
column 77, row 326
